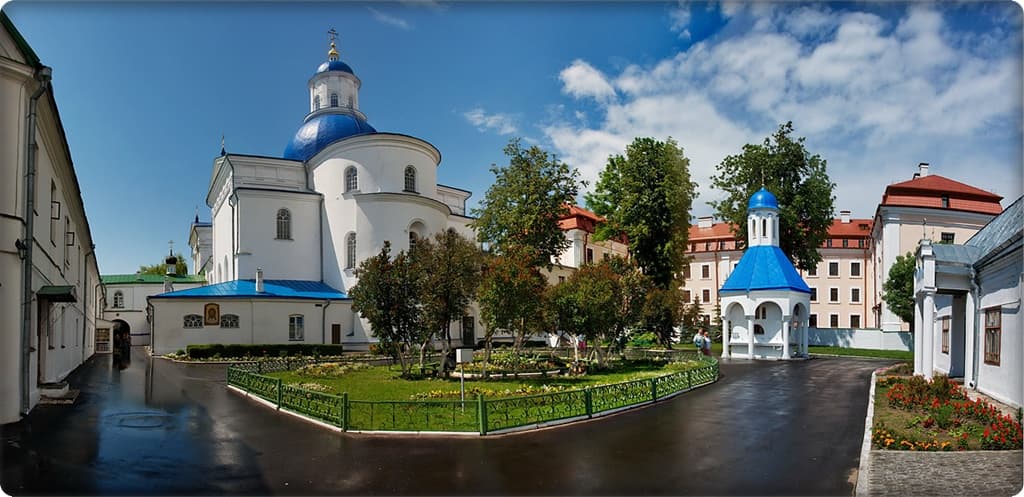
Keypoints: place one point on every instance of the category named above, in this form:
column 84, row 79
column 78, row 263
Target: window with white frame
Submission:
column 410, row 179
column 351, row 179
column 705, row 271
column 833, row 320
column 334, row 99
column 833, row 295
column 284, row 224
column 833, row 268
column 993, row 335
column 119, row 300
column 296, row 327
column 945, row 335
column 705, row 295
column 855, row 268
column 316, row 102
column 229, row 320
column 686, row 296
column 191, row 321
column 814, row 294
column 854, row 320
column 812, row 321
column 855, row 295
column 350, row 251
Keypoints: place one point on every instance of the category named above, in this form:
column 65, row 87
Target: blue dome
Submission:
column 334, row 65
column 763, row 199
column 323, row 130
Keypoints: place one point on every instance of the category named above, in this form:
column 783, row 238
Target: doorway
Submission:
column 335, row 333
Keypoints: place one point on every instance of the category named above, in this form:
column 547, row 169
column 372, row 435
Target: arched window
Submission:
column 119, row 300
column 761, row 312
column 192, row 321
column 410, row 179
column 350, row 101
column 350, row 251
column 316, row 102
column 764, row 227
column 284, row 224
column 334, row 99
column 351, row 179
column 229, row 320
column 413, row 238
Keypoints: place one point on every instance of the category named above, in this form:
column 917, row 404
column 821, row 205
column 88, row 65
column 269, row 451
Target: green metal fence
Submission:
column 474, row 415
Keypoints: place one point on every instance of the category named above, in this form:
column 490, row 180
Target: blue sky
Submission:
column 146, row 90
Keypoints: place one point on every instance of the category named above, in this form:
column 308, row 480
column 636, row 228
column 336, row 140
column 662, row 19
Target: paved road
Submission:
column 157, row 427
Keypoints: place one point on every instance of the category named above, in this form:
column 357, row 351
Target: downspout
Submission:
column 323, row 321
column 234, row 249
column 85, row 298
column 42, row 75
column 975, row 292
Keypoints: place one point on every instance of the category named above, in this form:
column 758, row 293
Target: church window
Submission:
column 229, row 321
column 993, row 332
column 350, row 100
column 296, row 327
column 410, row 179
column 761, row 312
column 334, row 99
column 119, row 300
column 193, row 321
column 316, row 102
column 284, row 224
column 351, row 179
column 413, row 237
column 350, row 251
column 764, row 227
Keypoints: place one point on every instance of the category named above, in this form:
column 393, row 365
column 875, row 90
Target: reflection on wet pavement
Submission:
column 158, row 427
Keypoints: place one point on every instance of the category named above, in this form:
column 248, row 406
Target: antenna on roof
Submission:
column 197, row 215
column 222, row 151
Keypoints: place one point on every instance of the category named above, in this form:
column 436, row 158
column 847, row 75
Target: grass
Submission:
column 886, row 354
column 382, row 383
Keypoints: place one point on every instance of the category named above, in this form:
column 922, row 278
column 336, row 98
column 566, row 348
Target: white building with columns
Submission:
column 967, row 314
column 765, row 303
column 308, row 219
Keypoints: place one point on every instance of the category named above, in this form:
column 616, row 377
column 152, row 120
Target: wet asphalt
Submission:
column 161, row 428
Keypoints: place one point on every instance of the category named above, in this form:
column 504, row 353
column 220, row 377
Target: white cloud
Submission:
column 388, row 19
column 680, row 17
column 580, row 80
column 503, row 124
column 429, row 4
column 871, row 94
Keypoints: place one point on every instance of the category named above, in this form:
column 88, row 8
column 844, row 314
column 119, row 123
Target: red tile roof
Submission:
column 717, row 231
column 856, row 228
column 927, row 191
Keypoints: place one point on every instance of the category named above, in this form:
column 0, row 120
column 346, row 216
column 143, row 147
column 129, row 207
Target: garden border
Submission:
column 335, row 415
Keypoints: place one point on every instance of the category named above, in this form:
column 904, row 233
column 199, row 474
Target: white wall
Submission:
column 1001, row 288
column 294, row 259
column 134, row 311
column 861, row 338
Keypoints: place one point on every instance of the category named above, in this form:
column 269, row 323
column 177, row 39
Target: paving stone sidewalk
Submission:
column 899, row 473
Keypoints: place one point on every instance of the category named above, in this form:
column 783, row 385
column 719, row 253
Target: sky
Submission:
column 147, row 90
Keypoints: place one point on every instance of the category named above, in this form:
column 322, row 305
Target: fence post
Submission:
column 344, row 411
column 279, row 393
column 481, row 411
column 654, row 390
column 589, row 401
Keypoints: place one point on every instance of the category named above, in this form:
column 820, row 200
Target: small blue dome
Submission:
column 763, row 199
column 334, row 65
column 321, row 131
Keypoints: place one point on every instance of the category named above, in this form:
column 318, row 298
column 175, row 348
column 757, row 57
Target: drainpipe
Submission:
column 975, row 293
column 85, row 298
column 42, row 76
column 323, row 321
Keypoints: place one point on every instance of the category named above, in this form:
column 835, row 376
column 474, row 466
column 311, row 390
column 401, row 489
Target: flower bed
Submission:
column 914, row 414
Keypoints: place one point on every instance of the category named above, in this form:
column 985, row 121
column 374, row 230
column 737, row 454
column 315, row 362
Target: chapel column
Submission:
column 785, row 338
column 928, row 333
column 750, row 337
column 726, row 332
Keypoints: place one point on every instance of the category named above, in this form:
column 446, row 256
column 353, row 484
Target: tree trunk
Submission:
column 487, row 355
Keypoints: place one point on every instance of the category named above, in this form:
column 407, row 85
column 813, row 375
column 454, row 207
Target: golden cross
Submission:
column 333, row 34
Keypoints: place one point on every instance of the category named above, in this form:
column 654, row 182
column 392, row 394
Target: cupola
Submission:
column 763, row 219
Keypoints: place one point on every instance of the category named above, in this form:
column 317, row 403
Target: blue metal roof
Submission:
column 764, row 267
column 320, row 131
column 763, row 199
column 292, row 289
column 334, row 65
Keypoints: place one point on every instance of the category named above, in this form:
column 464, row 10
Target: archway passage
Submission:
column 122, row 332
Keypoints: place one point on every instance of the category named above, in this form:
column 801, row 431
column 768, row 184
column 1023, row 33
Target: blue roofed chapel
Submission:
column 287, row 233
column 765, row 302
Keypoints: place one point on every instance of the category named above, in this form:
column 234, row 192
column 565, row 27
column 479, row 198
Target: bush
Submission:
column 209, row 350
column 643, row 340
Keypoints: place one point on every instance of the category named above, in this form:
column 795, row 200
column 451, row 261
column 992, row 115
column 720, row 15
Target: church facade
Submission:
column 304, row 222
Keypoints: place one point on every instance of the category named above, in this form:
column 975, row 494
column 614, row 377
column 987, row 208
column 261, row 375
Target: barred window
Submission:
column 410, row 179
column 351, row 179
column 229, row 321
column 119, row 300
column 193, row 321
column 334, row 99
column 284, row 224
column 350, row 251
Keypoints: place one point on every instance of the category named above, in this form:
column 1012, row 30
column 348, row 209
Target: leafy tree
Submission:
column 511, row 297
column 690, row 319
column 450, row 269
column 181, row 268
column 586, row 305
column 387, row 295
column 662, row 312
column 798, row 180
column 647, row 195
column 522, row 207
column 899, row 288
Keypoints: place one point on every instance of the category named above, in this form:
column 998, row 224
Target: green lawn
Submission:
column 379, row 383
column 887, row 354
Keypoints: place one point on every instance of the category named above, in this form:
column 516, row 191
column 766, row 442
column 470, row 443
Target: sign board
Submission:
column 463, row 355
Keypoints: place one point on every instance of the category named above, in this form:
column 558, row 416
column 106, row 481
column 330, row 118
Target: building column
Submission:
column 928, row 332
column 726, row 332
column 750, row 337
column 785, row 338
column 803, row 339
column 918, row 338
column 970, row 333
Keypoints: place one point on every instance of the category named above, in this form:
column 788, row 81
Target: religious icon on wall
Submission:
column 212, row 313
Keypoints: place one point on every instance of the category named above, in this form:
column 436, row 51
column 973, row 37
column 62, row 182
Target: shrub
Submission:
column 203, row 351
column 643, row 340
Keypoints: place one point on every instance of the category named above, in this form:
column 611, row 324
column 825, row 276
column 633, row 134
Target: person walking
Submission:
column 706, row 342
column 698, row 341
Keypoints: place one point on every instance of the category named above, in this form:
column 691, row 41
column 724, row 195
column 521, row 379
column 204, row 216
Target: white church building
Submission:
column 305, row 221
column 765, row 302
